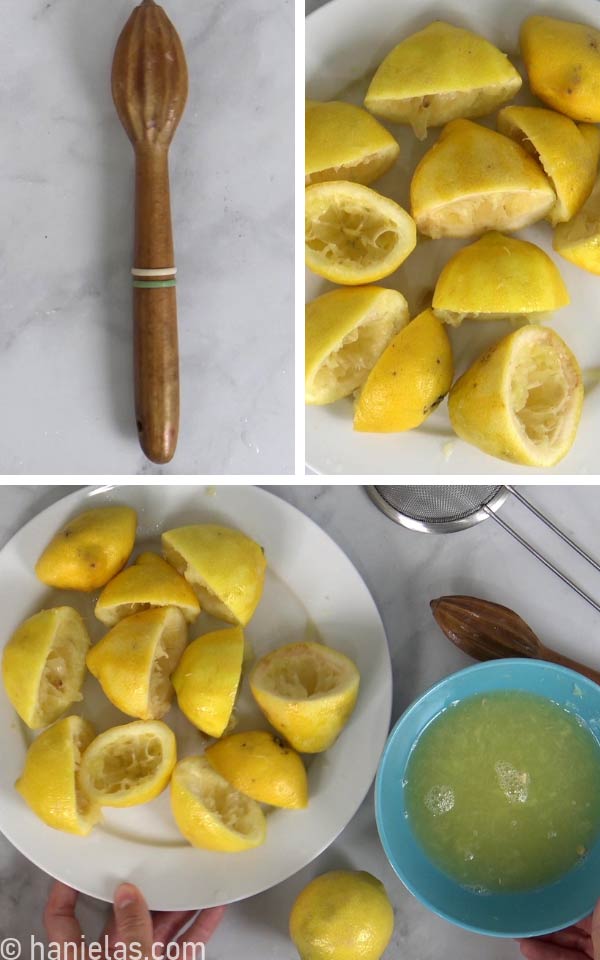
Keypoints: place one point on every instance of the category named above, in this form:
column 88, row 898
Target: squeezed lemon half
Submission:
column 51, row 784
column 344, row 142
column 260, row 765
column 89, row 550
column 562, row 60
column 439, row 74
column 224, row 566
column 409, row 380
column 579, row 240
column 207, row 679
column 134, row 661
column 307, row 692
column 521, row 400
column 210, row 813
column 43, row 665
column 355, row 235
column 347, row 330
column 149, row 582
column 129, row 764
column 474, row 179
column 567, row 152
column 498, row 277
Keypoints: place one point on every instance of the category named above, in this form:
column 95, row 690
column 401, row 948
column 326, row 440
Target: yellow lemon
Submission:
column 347, row 330
column 129, row 764
column 591, row 135
column 135, row 660
column 207, row 678
column 43, row 665
column 342, row 915
column 260, row 765
column 409, row 380
column 498, row 277
column 579, row 240
column 521, row 400
column 210, row 813
column 50, row 783
column 355, row 235
column 307, row 692
column 569, row 158
column 225, row 567
column 563, row 63
column 344, row 142
column 150, row 582
column 439, row 74
column 474, row 179
column 89, row 550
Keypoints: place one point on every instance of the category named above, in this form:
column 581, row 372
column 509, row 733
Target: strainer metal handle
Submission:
column 548, row 563
column 431, row 509
column 552, row 526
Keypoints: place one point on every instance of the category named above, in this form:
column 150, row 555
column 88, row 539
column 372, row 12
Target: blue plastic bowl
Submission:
column 528, row 914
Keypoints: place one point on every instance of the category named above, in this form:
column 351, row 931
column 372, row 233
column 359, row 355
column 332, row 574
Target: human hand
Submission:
column 131, row 923
column 579, row 942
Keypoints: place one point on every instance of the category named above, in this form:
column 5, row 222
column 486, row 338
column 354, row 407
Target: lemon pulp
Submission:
column 347, row 365
column 540, row 396
column 210, row 813
column 522, row 399
column 350, row 230
column 129, row 764
column 43, row 665
column 353, row 234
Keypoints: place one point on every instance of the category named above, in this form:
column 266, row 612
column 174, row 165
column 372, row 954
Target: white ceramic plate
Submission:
column 345, row 42
column 312, row 589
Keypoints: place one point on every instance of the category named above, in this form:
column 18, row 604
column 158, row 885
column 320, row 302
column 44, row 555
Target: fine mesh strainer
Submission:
column 445, row 509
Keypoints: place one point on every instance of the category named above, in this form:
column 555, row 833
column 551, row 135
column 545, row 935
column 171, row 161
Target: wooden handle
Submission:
column 156, row 351
column 554, row 657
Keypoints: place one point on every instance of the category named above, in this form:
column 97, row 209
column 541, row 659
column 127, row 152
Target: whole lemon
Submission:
column 342, row 915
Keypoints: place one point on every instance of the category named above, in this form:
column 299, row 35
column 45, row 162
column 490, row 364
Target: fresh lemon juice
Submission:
column 503, row 791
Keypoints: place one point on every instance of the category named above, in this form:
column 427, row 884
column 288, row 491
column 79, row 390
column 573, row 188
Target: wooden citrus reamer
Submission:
column 150, row 87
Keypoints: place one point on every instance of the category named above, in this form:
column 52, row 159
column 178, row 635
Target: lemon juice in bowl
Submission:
column 502, row 791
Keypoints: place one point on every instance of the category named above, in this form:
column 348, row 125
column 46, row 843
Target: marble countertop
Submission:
column 66, row 189
column 404, row 570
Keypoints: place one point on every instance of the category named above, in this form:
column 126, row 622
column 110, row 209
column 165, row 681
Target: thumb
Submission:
column 133, row 923
column 596, row 931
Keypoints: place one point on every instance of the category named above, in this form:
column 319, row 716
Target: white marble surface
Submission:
column 404, row 571
column 66, row 181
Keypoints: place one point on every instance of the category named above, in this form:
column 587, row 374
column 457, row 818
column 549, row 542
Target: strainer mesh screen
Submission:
column 431, row 504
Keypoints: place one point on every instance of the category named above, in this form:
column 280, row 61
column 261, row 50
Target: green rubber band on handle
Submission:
column 154, row 284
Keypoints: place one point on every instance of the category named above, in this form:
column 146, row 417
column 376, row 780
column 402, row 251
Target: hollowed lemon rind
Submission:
column 354, row 235
column 210, row 813
column 348, row 365
column 561, row 211
column 307, row 692
column 541, row 386
column 130, row 764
